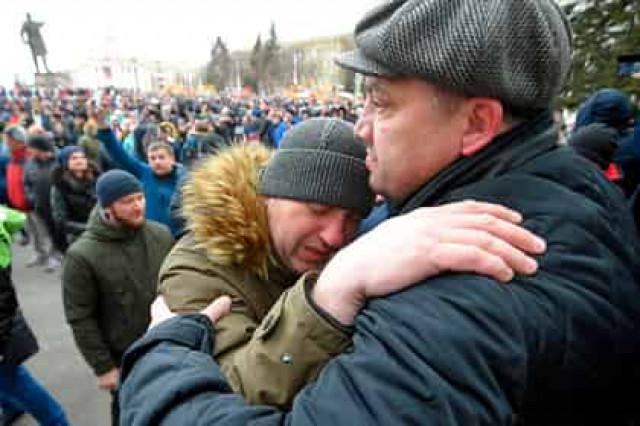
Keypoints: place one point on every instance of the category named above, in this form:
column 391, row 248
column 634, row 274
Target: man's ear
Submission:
column 484, row 122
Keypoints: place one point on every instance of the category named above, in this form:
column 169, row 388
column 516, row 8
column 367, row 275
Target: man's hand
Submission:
column 467, row 236
column 160, row 312
column 101, row 117
column 109, row 380
column 216, row 310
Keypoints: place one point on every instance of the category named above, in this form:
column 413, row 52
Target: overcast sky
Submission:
column 184, row 32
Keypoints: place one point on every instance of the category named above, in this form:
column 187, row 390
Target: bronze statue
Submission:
column 35, row 41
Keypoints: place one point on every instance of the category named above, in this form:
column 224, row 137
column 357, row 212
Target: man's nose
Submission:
column 139, row 205
column 364, row 128
column 333, row 233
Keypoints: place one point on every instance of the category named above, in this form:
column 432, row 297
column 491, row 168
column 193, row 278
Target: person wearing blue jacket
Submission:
column 159, row 177
column 613, row 109
column 453, row 111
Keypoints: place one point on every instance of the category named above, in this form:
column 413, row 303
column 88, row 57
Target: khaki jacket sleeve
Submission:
column 188, row 290
column 286, row 351
column 269, row 360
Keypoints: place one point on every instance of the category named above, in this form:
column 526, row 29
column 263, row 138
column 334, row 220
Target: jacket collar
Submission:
column 507, row 151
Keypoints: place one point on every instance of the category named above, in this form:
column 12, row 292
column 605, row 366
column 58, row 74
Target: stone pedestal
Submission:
column 51, row 80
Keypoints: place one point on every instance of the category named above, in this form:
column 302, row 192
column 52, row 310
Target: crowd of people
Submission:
column 54, row 150
column 63, row 148
column 433, row 253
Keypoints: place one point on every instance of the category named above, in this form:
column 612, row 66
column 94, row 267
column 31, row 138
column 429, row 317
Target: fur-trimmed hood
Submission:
column 224, row 211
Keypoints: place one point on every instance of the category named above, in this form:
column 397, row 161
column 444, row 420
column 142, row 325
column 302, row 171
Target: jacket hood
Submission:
column 224, row 211
column 607, row 106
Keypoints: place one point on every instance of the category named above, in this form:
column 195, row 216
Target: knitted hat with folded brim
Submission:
column 320, row 161
column 116, row 184
column 516, row 51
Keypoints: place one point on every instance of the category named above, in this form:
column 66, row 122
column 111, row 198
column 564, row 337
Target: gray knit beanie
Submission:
column 320, row 161
column 517, row 51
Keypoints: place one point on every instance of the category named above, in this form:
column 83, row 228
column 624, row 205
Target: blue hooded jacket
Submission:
column 606, row 106
column 158, row 190
column 612, row 108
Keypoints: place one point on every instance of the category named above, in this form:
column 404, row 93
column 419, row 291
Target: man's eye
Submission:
column 318, row 209
column 377, row 104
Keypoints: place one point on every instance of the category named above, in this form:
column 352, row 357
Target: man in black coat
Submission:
column 50, row 242
column 458, row 107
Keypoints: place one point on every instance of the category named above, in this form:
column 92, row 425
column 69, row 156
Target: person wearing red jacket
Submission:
column 15, row 137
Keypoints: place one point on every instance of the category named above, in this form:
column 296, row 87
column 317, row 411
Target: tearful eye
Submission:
column 318, row 209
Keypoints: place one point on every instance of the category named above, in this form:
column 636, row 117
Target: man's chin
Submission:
column 301, row 266
column 133, row 224
column 162, row 173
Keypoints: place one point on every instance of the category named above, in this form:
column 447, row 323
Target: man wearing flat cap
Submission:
column 258, row 219
column 458, row 107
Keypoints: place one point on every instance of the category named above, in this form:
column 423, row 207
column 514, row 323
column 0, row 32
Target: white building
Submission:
column 133, row 73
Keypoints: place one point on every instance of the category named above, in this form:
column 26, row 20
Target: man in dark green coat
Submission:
column 110, row 275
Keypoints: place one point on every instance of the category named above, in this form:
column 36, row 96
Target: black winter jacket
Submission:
column 558, row 348
column 17, row 342
column 8, row 305
column 37, row 184
column 72, row 199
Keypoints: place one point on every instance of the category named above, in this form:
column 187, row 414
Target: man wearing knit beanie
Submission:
column 159, row 177
column 256, row 221
column 109, row 275
column 458, row 107
column 116, row 189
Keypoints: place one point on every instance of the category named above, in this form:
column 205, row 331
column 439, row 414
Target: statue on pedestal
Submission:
column 31, row 35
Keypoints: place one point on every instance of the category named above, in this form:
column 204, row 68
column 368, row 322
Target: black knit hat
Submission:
column 115, row 184
column 320, row 161
column 40, row 143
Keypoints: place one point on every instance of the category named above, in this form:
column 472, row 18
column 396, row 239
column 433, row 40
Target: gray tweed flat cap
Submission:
column 517, row 51
column 320, row 161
